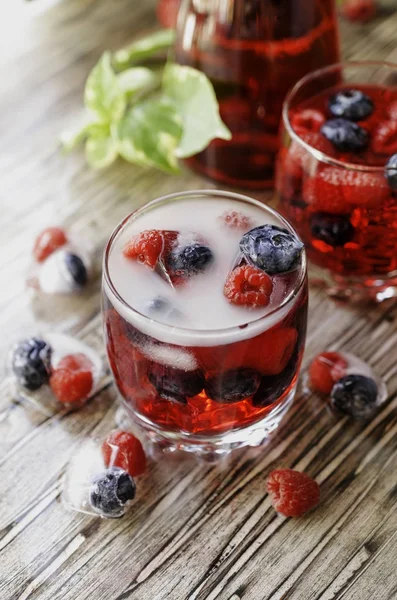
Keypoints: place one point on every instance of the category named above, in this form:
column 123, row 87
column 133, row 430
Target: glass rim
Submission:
column 318, row 154
column 202, row 333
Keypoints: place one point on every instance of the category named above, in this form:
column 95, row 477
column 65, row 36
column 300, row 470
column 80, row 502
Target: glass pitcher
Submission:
column 253, row 51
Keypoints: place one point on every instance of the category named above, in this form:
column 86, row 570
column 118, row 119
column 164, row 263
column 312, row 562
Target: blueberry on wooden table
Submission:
column 110, row 492
column 31, row 363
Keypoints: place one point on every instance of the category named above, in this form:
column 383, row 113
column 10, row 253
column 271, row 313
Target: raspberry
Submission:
column 337, row 191
column 360, row 11
column 325, row 370
column 384, row 139
column 292, row 493
column 72, row 379
column 248, row 286
column 149, row 245
column 47, row 242
column 124, row 450
column 307, row 120
column 236, row 220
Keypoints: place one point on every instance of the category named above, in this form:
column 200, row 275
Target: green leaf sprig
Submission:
column 148, row 116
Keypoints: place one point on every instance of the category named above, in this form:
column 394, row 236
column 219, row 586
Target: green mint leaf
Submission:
column 145, row 48
column 101, row 151
column 103, row 96
column 137, row 80
column 194, row 98
column 149, row 134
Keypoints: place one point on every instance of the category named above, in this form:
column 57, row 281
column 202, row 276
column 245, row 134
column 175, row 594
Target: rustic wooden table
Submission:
column 195, row 531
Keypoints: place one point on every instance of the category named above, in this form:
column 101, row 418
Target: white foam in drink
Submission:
column 199, row 305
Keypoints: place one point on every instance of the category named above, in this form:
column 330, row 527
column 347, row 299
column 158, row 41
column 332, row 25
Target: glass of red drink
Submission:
column 335, row 177
column 253, row 51
column 197, row 369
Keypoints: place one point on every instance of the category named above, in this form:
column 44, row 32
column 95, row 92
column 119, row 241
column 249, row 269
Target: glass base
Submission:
column 209, row 448
column 353, row 289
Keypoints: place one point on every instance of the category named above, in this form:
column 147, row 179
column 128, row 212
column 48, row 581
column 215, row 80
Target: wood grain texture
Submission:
column 196, row 532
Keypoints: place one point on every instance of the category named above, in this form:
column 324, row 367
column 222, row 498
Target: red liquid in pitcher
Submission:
column 254, row 52
column 186, row 359
column 347, row 218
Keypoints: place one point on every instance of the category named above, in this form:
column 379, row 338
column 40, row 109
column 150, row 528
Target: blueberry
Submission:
column 77, row 269
column 272, row 387
column 175, row 385
column 160, row 306
column 356, row 396
column 191, row 259
column 110, row 492
column 351, row 104
column 31, row 363
column 391, row 172
column 335, row 230
column 233, row 386
column 345, row 135
column 271, row 248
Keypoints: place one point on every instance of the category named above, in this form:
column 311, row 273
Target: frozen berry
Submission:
column 31, row 363
column 272, row 249
column 233, row 386
column 236, row 220
column 292, row 493
column 360, row 11
column 124, row 450
column 189, row 260
column 72, row 379
column 345, row 135
column 325, row 370
column 47, row 242
column 391, row 172
column 76, row 269
column 175, row 385
column 307, row 120
column 356, row 396
column 148, row 246
column 110, row 492
column 334, row 230
column 351, row 104
column 248, row 286
column 272, row 387
column 384, row 139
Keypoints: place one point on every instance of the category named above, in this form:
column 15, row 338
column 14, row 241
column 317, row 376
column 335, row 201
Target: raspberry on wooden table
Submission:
column 124, row 450
column 325, row 370
column 248, row 286
column 47, row 242
column 292, row 493
column 72, row 379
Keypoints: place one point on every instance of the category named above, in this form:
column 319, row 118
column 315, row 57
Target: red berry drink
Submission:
column 204, row 305
column 337, row 175
column 253, row 51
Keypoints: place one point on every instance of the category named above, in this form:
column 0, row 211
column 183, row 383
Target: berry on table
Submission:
column 351, row 104
column 391, row 172
column 31, row 363
column 325, row 370
column 189, row 260
column 48, row 241
column 345, row 135
column 356, row 396
column 175, row 385
column 72, row 379
column 148, row 246
column 271, row 249
column 110, row 492
column 236, row 220
column 233, row 386
column 77, row 269
column 360, row 11
column 124, row 450
column 384, row 139
column 334, row 230
column 307, row 120
column 292, row 493
column 248, row 286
